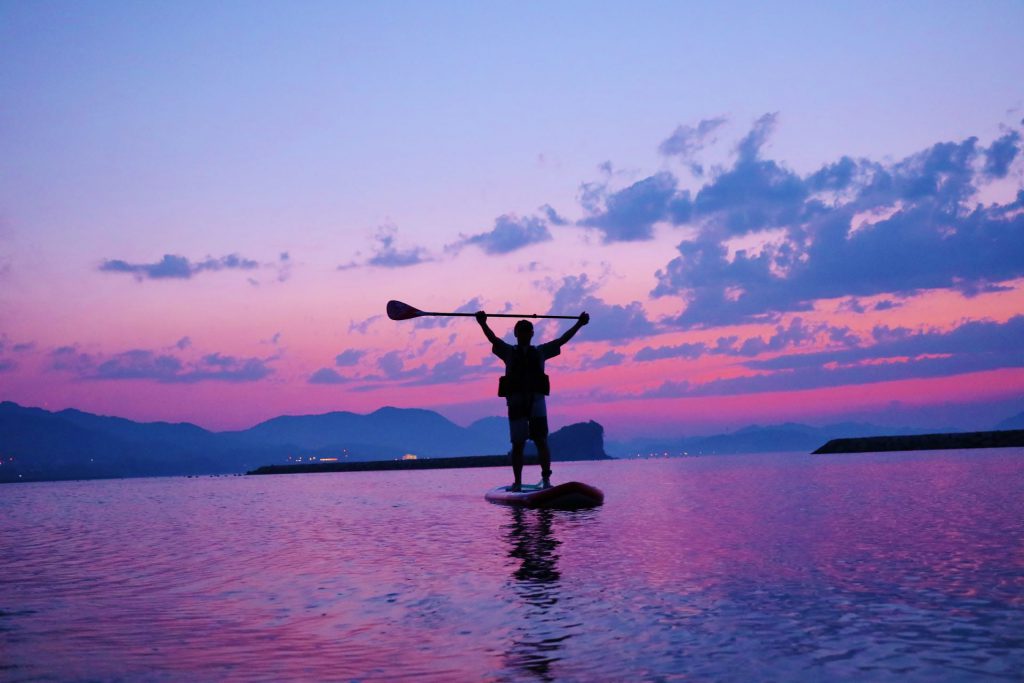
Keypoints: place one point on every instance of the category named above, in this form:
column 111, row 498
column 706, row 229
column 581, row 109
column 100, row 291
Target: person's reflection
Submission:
column 533, row 544
column 535, row 582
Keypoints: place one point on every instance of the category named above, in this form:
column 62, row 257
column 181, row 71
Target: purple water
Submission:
column 736, row 568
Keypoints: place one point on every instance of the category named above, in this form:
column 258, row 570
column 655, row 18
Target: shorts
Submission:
column 527, row 417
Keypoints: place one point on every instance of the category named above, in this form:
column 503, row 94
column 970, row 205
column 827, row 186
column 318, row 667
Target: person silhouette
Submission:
column 524, row 387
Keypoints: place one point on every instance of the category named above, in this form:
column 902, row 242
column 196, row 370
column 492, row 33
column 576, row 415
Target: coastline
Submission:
column 419, row 464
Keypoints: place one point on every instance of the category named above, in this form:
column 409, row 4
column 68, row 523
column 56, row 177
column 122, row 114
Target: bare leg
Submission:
column 544, row 456
column 517, row 461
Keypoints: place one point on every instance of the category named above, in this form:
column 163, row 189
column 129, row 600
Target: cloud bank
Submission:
column 853, row 228
column 897, row 353
column 386, row 253
column 162, row 367
column 173, row 266
column 511, row 233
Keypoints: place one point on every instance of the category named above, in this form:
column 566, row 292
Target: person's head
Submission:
column 523, row 331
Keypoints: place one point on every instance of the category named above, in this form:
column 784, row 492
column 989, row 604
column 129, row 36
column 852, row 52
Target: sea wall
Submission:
column 925, row 442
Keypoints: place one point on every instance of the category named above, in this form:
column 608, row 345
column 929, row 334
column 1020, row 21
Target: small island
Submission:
column 925, row 442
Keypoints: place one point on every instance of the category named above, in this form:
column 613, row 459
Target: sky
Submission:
column 808, row 212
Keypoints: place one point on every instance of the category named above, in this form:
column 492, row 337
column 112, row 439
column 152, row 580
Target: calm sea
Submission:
column 783, row 567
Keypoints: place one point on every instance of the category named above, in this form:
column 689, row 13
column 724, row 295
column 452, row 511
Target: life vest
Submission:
column 524, row 373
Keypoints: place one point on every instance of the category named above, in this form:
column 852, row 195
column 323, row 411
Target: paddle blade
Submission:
column 399, row 311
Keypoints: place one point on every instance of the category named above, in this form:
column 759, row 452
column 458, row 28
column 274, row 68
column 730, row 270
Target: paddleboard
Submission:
column 568, row 496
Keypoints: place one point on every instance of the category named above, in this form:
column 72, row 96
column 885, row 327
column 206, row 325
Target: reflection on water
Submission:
column 878, row 567
column 533, row 547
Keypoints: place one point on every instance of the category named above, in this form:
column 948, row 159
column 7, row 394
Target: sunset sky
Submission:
column 773, row 212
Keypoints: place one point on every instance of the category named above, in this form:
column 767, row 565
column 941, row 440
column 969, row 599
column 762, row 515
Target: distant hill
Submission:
column 422, row 432
column 789, row 436
column 38, row 445
column 1015, row 422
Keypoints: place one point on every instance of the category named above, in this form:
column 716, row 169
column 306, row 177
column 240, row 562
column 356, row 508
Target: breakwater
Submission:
column 925, row 442
column 418, row 464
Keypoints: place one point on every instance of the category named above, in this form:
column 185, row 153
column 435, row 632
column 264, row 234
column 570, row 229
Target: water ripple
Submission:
column 901, row 567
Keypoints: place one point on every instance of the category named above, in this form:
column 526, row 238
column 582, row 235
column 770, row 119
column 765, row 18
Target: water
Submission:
column 784, row 567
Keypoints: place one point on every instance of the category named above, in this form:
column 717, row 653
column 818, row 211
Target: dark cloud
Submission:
column 349, row 357
column 70, row 359
column 797, row 333
column 509, row 234
column 721, row 291
column 139, row 364
column 160, row 367
column 752, row 195
column 817, row 377
column 943, row 174
column 853, row 228
column 606, row 360
column 686, row 141
column 434, row 322
column 885, row 305
column 833, row 177
column 327, row 376
column 749, row 148
column 889, row 229
column 755, row 196
column 173, row 266
column 899, row 354
column 386, row 254
column 843, row 336
column 1001, row 154
column 392, row 365
column 363, row 326
column 1005, row 340
column 452, row 369
column 142, row 364
column 575, row 294
column 852, row 305
column 8, row 364
column 629, row 215
column 552, row 216
column 686, row 350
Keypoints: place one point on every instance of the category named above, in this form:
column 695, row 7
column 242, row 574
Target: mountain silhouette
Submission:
column 789, row 436
column 423, row 432
column 37, row 444
column 1015, row 422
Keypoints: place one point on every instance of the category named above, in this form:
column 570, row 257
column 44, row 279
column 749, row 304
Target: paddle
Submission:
column 401, row 311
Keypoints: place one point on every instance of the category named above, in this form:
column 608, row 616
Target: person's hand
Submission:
column 481, row 317
column 584, row 318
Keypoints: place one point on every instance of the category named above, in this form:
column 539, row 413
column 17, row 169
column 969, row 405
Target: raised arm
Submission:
column 571, row 332
column 481, row 318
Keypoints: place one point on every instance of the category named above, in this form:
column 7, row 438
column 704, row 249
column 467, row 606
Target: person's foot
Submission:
column 514, row 488
column 545, row 483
